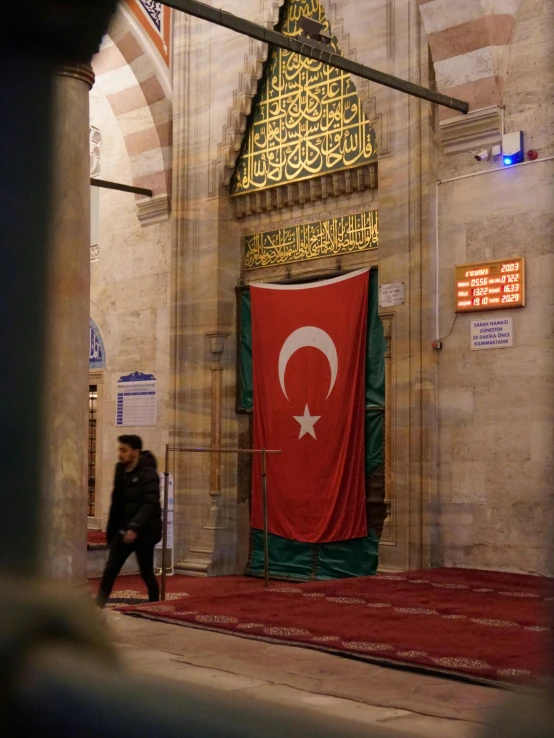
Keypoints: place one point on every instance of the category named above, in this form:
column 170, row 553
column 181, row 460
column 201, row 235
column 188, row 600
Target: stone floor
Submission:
column 413, row 704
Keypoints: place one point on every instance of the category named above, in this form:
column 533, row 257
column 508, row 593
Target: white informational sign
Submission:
column 137, row 396
column 492, row 334
column 391, row 294
column 169, row 510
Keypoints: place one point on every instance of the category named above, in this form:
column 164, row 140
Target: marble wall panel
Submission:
column 496, row 463
column 129, row 298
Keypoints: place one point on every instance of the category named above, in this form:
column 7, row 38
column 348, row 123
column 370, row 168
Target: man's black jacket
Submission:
column 136, row 501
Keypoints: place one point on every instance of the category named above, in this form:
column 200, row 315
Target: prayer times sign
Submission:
column 490, row 285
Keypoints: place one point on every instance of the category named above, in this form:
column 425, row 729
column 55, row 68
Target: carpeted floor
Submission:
column 130, row 589
column 483, row 626
column 96, row 540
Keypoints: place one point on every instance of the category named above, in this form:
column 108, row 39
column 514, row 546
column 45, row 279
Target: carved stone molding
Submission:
column 154, row 209
column 217, row 342
column 478, row 129
column 195, row 567
column 95, row 152
column 298, row 193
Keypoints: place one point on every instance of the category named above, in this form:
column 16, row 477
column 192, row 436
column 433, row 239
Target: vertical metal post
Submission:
column 165, row 521
column 266, row 534
column 264, row 453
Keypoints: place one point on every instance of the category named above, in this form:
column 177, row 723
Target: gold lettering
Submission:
column 308, row 120
column 352, row 233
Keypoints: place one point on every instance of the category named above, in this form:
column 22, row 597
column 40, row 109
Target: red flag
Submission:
column 308, row 345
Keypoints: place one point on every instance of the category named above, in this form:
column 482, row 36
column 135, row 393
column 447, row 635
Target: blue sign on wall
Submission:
column 97, row 357
column 137, row 400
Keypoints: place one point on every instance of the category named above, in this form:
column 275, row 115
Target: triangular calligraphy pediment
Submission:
column 307, row 120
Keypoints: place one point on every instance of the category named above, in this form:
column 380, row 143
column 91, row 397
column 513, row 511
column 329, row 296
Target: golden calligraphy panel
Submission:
column 347, row 235
column 307, row 120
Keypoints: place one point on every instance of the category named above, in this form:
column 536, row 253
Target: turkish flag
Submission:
column 308, row 354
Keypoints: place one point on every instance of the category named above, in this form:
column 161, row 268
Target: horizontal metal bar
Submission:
column 312, row 51
column 226, row 451
column 105, row 184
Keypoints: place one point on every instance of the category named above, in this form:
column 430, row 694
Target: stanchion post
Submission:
column 165, row 520
column 263, row 453
column 266, row 534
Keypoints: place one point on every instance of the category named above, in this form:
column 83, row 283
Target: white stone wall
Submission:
column 496, row 407
column 129, row 299
column 472, row 432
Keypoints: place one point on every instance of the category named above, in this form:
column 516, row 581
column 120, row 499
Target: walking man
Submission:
column 135, row 522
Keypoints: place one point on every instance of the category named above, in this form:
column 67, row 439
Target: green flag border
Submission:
column 294, row 560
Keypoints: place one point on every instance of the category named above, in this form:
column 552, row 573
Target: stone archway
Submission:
column 128, row 77
column 469, row 44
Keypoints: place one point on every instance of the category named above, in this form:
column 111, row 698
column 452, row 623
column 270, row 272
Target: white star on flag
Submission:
column 307, row 423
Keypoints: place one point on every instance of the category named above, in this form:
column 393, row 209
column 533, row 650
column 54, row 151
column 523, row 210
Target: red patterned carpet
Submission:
column 483, row 626
column 96, row 540
column 130, row 589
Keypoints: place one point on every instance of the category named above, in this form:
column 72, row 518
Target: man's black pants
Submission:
column 119, row 553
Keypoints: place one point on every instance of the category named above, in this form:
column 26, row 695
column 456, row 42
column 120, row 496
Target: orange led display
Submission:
column 491, row 285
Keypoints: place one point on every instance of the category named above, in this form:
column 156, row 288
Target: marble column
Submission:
column 67, row 356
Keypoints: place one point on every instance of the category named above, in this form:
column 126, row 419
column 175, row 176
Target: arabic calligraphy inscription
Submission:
column 307, row 121
column 346, row 235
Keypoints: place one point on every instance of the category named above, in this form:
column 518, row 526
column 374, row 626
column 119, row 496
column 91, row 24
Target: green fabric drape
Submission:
column 246, row 376
column 355, row 558
column 374, row 434
column 287, row 559
column 375, row 380
column 376, row 347
column 303, row 561
column 308, row 561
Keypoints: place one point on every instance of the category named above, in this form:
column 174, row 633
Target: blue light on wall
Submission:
column 512, row 148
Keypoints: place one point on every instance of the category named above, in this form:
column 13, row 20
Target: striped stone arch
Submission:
column 469, row 42
column 126, row 73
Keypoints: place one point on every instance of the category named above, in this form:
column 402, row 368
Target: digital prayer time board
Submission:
column 491, row 285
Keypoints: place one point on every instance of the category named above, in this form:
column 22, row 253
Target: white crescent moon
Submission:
column 309, row 336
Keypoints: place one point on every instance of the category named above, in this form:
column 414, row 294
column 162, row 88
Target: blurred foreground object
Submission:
column 531, row 716
column 61, row 677
column 60, row 30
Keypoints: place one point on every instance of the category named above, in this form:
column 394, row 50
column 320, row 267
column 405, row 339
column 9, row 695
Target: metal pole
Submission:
column 309, row 49
column 103, row 183
column 252, row 451
column 165, row 521
column 266, row 533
